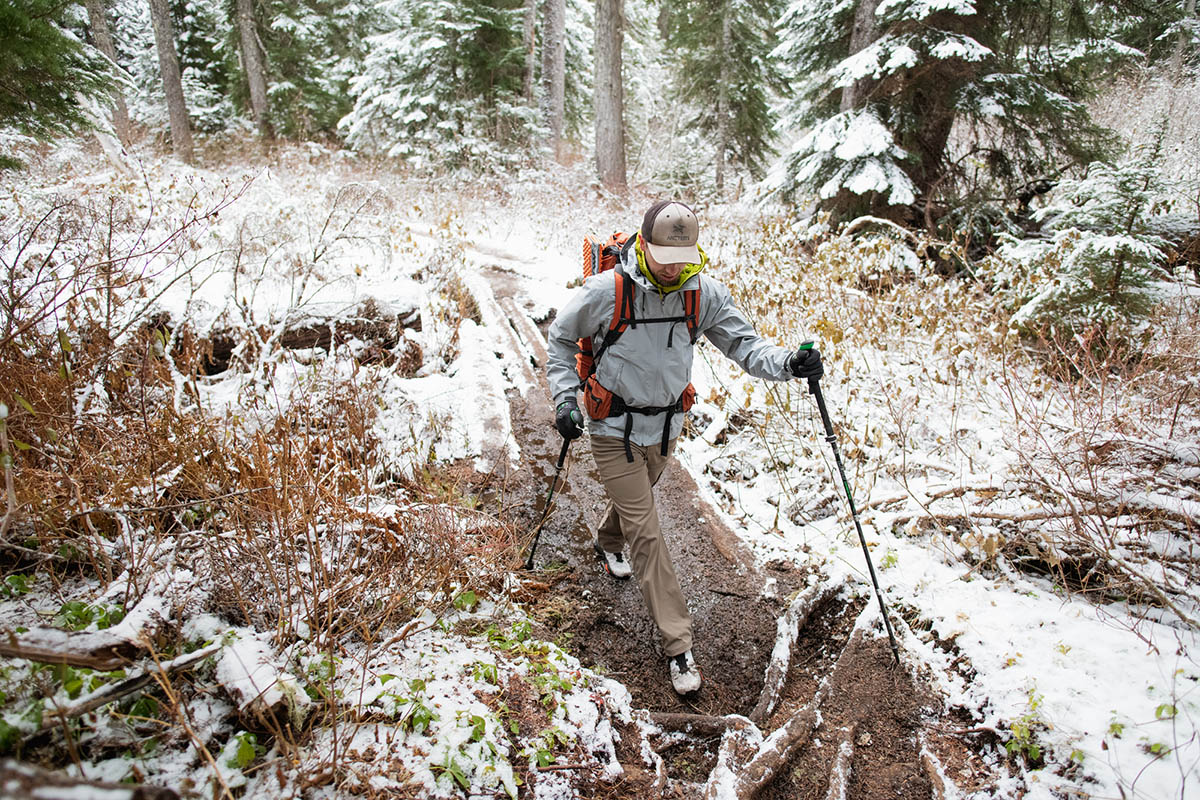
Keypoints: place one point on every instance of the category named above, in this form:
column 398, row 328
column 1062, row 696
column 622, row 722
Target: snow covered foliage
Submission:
column 442, row 85
column 51, row 76
column 1101, row 265
column 936, row 99
column 724, row 70
column 313, row 49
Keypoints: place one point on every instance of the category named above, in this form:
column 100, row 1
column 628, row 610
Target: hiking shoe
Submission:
column 614, row 563
column 685, row 675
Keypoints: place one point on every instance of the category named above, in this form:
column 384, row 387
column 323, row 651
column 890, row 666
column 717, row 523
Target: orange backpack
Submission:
column 598, row 401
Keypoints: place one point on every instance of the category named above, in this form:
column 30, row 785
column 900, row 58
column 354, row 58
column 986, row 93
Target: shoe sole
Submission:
column 604, row 563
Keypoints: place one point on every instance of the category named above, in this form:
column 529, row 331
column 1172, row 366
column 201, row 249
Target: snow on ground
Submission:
column 1110, row 698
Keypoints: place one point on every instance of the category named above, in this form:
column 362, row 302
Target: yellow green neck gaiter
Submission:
column 688, row 271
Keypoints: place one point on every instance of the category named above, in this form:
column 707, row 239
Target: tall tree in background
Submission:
column 102, row 37
column 168, row 63
column 554, row 48
column 47, row 76
column 444, row 84
column 882, row 84
column 609, row 95
column 729, row 78
column 529, row 41
column 254, row 67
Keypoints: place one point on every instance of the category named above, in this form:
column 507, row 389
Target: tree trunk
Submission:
column 723, row 98
column 530, row 42
column 554, row 50
column 98, row 17
column 609, row 94
column 861, row 35
column 254, row 66
column 1177, row 75
column 168, row 64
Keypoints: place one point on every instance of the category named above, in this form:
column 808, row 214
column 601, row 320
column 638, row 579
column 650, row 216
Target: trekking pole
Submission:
column 537, row 534
column 814, row 388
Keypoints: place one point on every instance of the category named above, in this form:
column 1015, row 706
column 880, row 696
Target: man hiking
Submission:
column 640, row 320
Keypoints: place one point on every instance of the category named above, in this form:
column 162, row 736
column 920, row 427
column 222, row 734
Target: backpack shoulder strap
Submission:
column 623, row 315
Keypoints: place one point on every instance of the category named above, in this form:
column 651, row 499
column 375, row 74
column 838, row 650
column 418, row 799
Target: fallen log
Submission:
column 20, row 781
column 115, row 691
column 100, row 650
column 787, row 631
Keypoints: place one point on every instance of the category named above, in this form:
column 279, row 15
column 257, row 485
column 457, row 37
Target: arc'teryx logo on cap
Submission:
column 670, row 231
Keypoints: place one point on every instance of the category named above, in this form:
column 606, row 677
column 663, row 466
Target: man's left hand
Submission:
column 806, row 363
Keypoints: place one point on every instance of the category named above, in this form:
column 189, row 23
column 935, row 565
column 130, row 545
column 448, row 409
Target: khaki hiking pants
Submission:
column 631, row 518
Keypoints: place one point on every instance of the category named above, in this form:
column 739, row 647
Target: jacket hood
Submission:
column 636, row 254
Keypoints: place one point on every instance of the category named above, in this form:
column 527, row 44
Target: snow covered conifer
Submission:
column 443, row 84
column 49, row 73
column 883, row 84
column 1098, row 268
column 724, row 69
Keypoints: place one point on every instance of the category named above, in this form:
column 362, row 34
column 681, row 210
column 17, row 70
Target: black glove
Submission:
column 568, row 420
column 806, row 363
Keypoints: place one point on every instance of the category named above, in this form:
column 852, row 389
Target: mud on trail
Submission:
column 857, row 725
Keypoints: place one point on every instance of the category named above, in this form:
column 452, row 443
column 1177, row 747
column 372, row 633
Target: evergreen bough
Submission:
column 48, row 77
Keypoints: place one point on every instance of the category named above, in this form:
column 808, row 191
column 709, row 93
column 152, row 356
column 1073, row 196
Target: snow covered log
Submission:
column 20, row 781
column 54, row 717
column 839, row 775
column 100, row 650
column 372, row 321
column 787, row 631
column 263, row 689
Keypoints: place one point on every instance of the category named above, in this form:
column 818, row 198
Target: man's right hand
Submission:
column 568, row 419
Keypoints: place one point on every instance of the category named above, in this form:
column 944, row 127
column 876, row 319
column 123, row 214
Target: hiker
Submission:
column 645, row 314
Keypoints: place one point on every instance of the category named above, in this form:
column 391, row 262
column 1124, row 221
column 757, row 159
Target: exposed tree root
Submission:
column 787, row 631
column 747, row 762
column 839, row 775
column 942, row 787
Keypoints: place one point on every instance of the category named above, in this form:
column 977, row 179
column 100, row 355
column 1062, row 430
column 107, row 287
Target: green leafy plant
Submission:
column 485, row 671
column 1023, row 732
column 76, row 615
column 466, row 601
column 16, row 585
column 451, row 767
column 246, row 751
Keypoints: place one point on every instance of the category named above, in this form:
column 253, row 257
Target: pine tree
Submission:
column 883, row 84
column 721, row 51
column 47, row 75
column 444, row 85
column 1099, row 268
column 313, row 49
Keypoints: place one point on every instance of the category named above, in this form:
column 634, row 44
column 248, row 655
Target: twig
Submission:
column 171, row 506
column 115, row 691
column 552, row 767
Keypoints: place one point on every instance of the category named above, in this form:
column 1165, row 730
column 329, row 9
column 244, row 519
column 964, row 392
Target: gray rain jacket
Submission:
column 651, row 365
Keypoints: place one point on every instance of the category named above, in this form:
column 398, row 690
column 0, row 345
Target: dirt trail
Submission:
column 605, row 623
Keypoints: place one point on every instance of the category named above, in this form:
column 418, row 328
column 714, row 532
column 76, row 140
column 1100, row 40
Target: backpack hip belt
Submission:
column 603, row 404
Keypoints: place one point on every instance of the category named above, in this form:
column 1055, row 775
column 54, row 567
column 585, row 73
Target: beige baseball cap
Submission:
column 670, row 231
